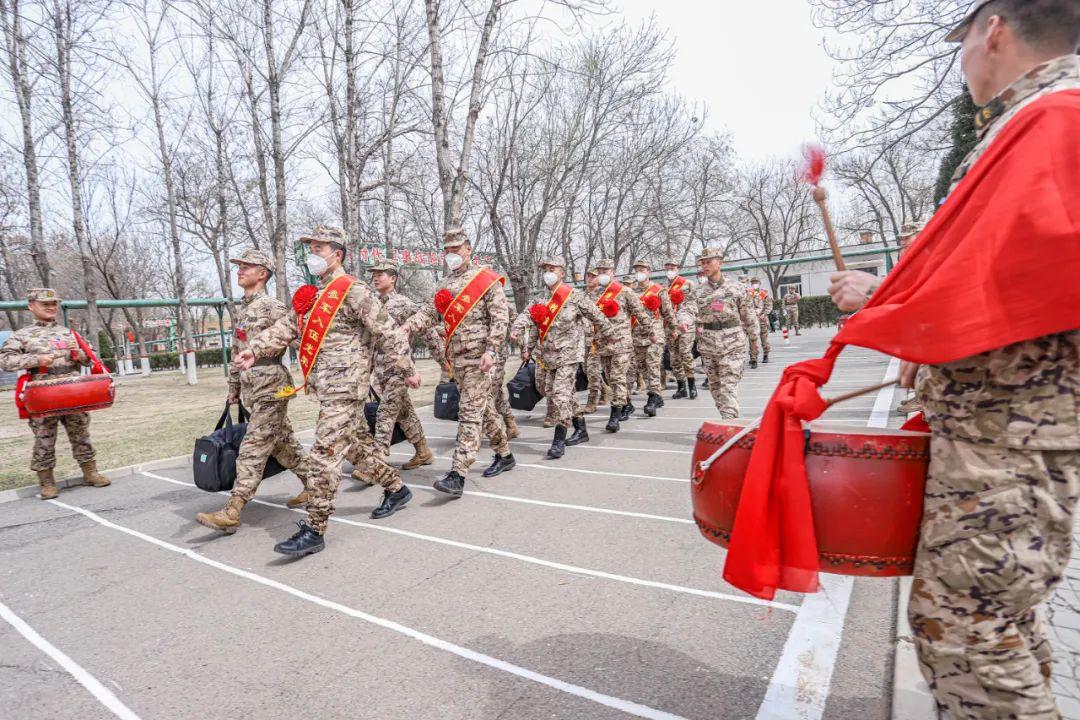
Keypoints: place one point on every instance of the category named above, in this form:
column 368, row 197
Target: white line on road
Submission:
column 101, row 693
column 564, row 469
column 590, row 447
column 799, row 686
column 573, row 569
column 626, row 706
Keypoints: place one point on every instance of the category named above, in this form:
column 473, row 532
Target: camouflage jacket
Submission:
column 564, row 343
column 724, row 318
column 482, row 330
column 343, row 367
column 689, row 288
column 256, row 314
column 621, row 340
column 761, row 303
column 400, row 308
column 1025, row 395
column 664, row 317
column 20, row 351
column 791, row 300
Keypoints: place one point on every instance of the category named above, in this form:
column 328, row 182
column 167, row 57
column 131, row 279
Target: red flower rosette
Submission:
column 241, row 333
column 302, row 300
column 538, row 313
column 610, row 308
column 443, row 298
column 677, row 297
column 651, row 302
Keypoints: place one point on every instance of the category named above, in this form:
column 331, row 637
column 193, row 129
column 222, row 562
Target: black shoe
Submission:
column 613, row 421
column 558, row 444
column 681, row 392
column 691, row 388
column 765, row 358
column 627, row 411
column 581, row 434
column 305, row 542
column 500, row 465
column 753, row 364
column 451, row 484
column 659, row 400
column 705, row 384
column 654, row 403
column 392, row 502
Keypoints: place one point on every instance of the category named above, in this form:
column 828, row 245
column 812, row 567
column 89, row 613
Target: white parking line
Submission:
column 626, row 706
column 101, row 693
column 574, row 569
column 564, row 469
column 586, row 447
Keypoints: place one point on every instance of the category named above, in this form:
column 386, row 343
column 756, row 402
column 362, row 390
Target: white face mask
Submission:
column 316, row 264
column 672, row 274
column 641, row 277
column 454, row 261
column 604, row 279
column 550, row 279
column 755, row 287
column 702, row 279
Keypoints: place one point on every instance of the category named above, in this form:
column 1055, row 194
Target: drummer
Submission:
column 50, row 351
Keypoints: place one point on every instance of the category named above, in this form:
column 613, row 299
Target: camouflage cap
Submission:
column 252, row 256
column 605, row 264
column 671, row 262
column 553, row 260
column 386, row 266
column 42, row 295
column 592, row 271
column 326, row 234
column 454, row 237
column 958, row 33
column 641, row 263
column 711, row 252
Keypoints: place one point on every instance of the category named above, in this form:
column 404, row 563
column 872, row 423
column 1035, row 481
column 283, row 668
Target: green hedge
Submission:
column 210, row 357
column 817, row 310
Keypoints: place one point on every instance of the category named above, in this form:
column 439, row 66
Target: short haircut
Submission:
column 1051, row 25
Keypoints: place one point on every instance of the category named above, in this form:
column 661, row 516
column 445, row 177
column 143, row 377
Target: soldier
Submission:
column 269, row 432
column 598, row 388
column 50, row 351
column 618, row 303
column 724, row 318
column 557, row 336
column 335, row 355
column 791, row 310
column 471, row 304
column 762, row 306
column 648, row 352
column 520, row 333
column 680, row 344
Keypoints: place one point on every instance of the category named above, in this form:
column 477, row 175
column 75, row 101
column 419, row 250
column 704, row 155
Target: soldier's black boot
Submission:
column 627, row 411
column 765, row 358
column 681, row 392
column 305, row 542
column 653, row 404
column 753, row 364
column 581, row 434
column 613, row 421
column 500, row 465
column 452, row 484
column 691, row 388
column 392, row 502
column 705, row 384
column 558, row 444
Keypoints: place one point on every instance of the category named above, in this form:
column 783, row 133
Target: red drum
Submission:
column 67, row 395
column 866, row 489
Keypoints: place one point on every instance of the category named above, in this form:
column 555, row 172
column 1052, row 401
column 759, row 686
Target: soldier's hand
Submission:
column 487, row 361
column 683, row 327
column 908, row 370
column 45, row 360
column 524, row 356
column 652, row 338
column 407, row 330
column 232, row 399
column 852, row 288
column 413, row 381
column 513, row 337
column 245, row 360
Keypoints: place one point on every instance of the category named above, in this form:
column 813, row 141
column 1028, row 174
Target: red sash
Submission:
column 319, row 320
column 610, row 293
column 652, row 291
column 554, row 307
column 677, row 283
column 467, row 299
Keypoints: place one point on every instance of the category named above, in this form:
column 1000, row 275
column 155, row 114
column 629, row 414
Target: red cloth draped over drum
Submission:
column 964, row 287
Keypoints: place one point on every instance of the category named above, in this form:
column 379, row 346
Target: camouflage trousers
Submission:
column 499, row 391
column 269, row 432
column 476, row 416
column 395, row 407
column 340, row 433
column 724, row 373
column 791, row 316
column 617, row 369
column 557, row 385
column 594, row 368
column 648, row 360
column 77, row 426
column 763, row 323
column 995, row 539
column 681, row 354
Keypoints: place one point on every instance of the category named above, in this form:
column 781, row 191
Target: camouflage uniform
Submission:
column 724, row 320
column 340, row 381
column 594, row 369
column 1000, row 496
column 482, row 330
column 762, row 304
column 498, row 381
column 791, row 310
column 681, row 344
column 649, row 355
column 617, row 351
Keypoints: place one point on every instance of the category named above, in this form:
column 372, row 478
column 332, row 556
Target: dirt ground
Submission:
column 155, row 417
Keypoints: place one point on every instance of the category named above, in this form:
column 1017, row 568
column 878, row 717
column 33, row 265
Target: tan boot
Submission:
column 421, row 457
column 512, row 430
column 590, row 406
column 92, row 477
column 227, row 519
column 299, row 501
column 47, row 483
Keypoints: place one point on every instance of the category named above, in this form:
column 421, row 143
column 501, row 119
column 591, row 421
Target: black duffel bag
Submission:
column 214, row 461
column 522, row 389
column 447, row 397
column 667, row 358
column 371, row 410
column 581, row 382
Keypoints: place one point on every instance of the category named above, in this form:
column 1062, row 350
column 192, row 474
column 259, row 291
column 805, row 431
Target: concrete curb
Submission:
column 911, row 695
column 178, row 461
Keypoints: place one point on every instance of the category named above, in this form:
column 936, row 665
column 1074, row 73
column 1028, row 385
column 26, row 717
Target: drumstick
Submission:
column 863, row 391
column 830, row 232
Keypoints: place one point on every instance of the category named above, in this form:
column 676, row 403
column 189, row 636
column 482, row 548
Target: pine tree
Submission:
column 963, row 139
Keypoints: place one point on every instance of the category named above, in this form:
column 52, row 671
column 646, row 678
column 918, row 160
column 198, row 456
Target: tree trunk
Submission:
column 273, row 83
column 15, row 319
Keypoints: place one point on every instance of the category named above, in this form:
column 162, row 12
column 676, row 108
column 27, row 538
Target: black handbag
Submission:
column 581, row 382
column 667, row 358
column 522, row 389
column 447, row 397
column 213, row 463
column 371, row 411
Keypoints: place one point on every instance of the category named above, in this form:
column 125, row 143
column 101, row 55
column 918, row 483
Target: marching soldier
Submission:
column 680, row 344
column 762, row 305
column 50, row 351
column 557, row 336
column 520, row 333
column 471, row 304
column 724, row 319
column 598, row 388
column 269, row 432
column 618, row 303
column 336, row 358
column 648, row 352
column 791, row 310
